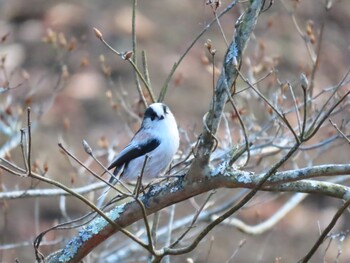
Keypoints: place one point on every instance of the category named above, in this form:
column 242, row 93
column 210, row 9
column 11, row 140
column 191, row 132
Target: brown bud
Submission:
column 114, row 106
column 270, row 23
column 84, row 62
column 46, row 167
column 98, row 33
column 269, row 110
column 103, row 142
column 73, row 177
column 304, row 81
column 4, row 37
column 208, row 44
column 309, row 29
column 28, row 101
column 72, row 44
column 87, row 147
column 127, row 55
column 8, row 110
column 312, row 39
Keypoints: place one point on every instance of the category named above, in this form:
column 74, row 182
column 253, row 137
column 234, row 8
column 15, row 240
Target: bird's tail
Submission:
column 102, row 198
column 112, row 180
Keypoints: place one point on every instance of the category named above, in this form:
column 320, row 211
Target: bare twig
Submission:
column 195, row 217
column 339, row 131
column 227, row 78
column 134, row 50
column 145, row 68
column 176, row 64
column 296, row 107
column 280, row 115
column 154, row 229
column 326, row 231
column 247, row 143
column 312, row 131
column 90, row 171
column 335, row 90
column 127, row 56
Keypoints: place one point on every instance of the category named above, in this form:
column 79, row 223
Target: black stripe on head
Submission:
column 150, row 113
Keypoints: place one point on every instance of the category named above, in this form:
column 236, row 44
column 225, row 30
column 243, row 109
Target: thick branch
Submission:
column 226, row 80
column 163, row 195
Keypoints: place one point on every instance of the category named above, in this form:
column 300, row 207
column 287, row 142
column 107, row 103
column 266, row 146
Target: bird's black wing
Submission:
column 131, row 152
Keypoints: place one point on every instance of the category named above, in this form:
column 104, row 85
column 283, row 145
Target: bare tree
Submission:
column 291, row 115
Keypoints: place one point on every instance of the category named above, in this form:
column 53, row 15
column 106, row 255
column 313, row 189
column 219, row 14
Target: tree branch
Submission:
column 227, row 78
column 162, row 195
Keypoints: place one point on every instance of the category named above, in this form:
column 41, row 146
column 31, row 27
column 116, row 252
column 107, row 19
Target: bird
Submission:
column 158, row 138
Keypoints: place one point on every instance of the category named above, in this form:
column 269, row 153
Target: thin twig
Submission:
column 219, row 24
column 103, row 167
column 311, row 132
column 241, row 244
column 12, row 165
column 145, row 69
column 177, row 241
column 246, row 138
column 139, row 179
column 337, row 87
column 23, row 150
column 170, row 230
column 281, row 115
column 150, row 246
column 296, row 107
column 29, row 153
column 127, row 56
column 325, row 232
column 89, row 170
column 176, row 64
column 316, row 62
column 305, row 106
column 339, row 131
column 154, row 229
column 134, row 50
column 250, row 195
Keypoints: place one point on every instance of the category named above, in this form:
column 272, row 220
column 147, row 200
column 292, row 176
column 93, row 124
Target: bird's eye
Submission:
column 161, row 117
column 165, row 109
column 153, row 116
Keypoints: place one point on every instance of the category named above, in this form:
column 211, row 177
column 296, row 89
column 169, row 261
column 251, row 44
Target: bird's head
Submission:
column 158, row 116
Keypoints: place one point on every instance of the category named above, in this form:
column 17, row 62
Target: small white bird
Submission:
column 158, row 138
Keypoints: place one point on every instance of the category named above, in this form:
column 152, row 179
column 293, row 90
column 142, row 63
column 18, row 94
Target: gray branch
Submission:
column 163, row 195
column 227, row 78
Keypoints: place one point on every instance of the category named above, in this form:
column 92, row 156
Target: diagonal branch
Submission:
column 229, row 73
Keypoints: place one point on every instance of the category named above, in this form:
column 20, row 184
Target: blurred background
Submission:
column 52, row 61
